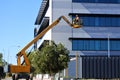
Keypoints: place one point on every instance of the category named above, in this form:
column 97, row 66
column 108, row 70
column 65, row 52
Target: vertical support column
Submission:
column 108, row 45
column 76, row 65
column 66, row 72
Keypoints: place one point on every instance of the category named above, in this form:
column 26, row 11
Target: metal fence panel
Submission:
column 101, row 67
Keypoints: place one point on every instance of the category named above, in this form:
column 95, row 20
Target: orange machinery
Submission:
column 19, row 68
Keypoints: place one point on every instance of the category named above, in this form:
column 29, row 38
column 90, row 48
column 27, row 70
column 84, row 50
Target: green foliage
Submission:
column 50, row 59
column 1, row 62
column 63, row 58
column 33, row 58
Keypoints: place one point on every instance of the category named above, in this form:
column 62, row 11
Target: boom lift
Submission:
column 19, row 68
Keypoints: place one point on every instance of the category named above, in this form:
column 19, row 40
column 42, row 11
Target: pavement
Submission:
column 10, row 78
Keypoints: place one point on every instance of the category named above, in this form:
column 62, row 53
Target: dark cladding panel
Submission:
column 83, row 68
column 101, row 67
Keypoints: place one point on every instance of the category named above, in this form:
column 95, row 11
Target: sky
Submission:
column 17, row 18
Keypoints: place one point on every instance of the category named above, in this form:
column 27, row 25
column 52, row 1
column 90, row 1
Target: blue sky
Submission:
column 17, row 18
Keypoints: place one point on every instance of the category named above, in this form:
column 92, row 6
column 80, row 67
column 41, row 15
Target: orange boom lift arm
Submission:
column 26, row 68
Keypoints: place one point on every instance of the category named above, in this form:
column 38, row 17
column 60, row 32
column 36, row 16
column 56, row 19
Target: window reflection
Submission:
column 95, row 45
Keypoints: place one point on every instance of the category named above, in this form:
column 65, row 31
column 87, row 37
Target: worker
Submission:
column 77, row 20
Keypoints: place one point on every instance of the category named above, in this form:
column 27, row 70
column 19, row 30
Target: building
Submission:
column 97, row 42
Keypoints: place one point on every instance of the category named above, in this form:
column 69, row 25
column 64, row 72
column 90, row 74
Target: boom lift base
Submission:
column 20, row 69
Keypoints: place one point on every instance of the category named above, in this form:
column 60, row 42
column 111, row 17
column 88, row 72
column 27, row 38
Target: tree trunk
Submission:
column 52, row 76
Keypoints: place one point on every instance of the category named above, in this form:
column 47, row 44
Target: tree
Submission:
column 33, row 58
column 1, row 61
column 50, row 59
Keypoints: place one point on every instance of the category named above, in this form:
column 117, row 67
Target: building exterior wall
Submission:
column 59, row 8
column 62, row 32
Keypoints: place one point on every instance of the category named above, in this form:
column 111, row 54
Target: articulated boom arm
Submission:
column 22, row 52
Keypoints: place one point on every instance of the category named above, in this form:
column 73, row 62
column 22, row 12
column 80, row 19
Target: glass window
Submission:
column 102, row 1
column 108, row 1
column 95, row 45
column 92, row 21
column 101, row 21
column 85, row 0
column 114, row 22
column 104, row 45
column 92, row 1
column 96, row 21
column 117, row 44
column 113, row 1
column 113, row 45
column 86, row 45
column 97, row 1
column 80, row 45
column 85, row 21
column 92, row 45
column 75, row 45
column 108, row 22
column 119, row 22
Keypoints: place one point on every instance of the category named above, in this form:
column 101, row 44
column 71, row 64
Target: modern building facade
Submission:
column 97, row 43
